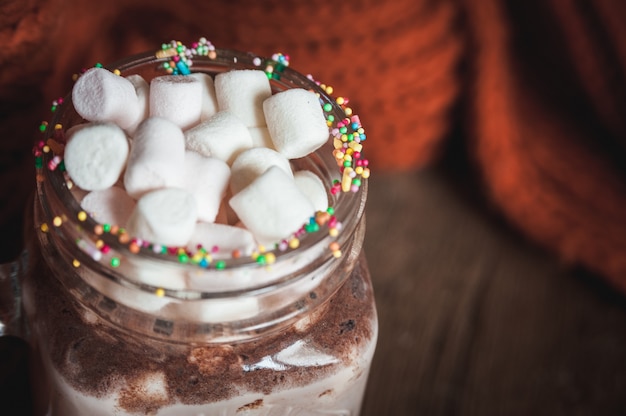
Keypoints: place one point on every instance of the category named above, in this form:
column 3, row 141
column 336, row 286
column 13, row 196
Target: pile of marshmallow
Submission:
column 192, row 160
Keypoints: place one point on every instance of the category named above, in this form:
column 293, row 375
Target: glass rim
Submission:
column 348, row 206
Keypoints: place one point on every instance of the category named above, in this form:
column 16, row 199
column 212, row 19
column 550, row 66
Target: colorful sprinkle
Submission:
column 276, row 65
column 182, row 56
column 294, row 243
column 183, row 258
column 335, row 249
column 133, row 247
column 270, row 258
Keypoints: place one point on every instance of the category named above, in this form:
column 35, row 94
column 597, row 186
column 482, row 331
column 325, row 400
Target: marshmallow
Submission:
column 109, row 206
column 100, row 95
column 242, row 92
column 261, row 137
column 272, row 207
column 206, row 178
column 95, row 155
column 177, row 98
column 209, row 100
column 157, row 157
column 296, row 122
column 251, row 164
column 225, row 238
column 142, row 89
column 312, row 186
column 166, row 216
column 222, row 135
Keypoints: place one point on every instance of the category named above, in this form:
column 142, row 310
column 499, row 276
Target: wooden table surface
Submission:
column 474, row 320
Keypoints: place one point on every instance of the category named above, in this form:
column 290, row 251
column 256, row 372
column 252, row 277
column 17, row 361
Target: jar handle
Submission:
column 11, row 274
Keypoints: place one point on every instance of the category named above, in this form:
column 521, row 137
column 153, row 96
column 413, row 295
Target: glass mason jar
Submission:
column 128, row 327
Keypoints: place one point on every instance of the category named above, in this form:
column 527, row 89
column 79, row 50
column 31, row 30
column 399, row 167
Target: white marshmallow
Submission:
column 177, row 98
column 209, row 100
column 100, row 95
column 206, row 178
column 251, row 164
column 296, row 122
column 272, row 207
column 261, row 137
column 95, row 155
column 312, row 186
column 222, row 136
column 166, row 216
column 109, row 206
column 142, row 89
column 242, row 92
column 157, row 157
column 226, row 238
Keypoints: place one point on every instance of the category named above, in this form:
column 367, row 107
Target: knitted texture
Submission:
column 24, row 64
column 542, row 120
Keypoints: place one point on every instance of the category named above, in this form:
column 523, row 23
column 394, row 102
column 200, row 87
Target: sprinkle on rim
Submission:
column 347, row 137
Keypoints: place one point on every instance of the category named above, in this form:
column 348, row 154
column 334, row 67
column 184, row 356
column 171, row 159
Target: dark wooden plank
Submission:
column 476, row 321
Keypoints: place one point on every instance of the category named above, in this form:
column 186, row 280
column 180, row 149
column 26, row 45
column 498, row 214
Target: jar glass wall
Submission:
column 123, row 328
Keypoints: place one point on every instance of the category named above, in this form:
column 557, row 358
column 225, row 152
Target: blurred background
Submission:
column 496, row 229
